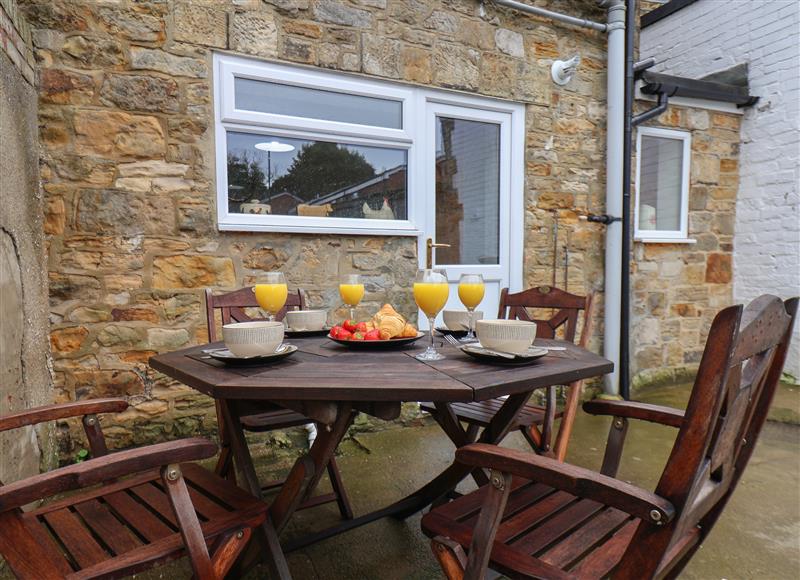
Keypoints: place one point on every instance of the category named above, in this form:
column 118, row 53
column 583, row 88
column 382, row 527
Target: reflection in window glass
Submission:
column 467, row 191
column 276, row 175
column 279, row 99
column 660, row 183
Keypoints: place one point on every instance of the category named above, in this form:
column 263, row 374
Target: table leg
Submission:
column 308, row 470
column 266, row 535
column 449, row 423
column 446, row 481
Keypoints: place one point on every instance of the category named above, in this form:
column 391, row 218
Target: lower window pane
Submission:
column 660, row 183
column 467, row 191
column 269, row 174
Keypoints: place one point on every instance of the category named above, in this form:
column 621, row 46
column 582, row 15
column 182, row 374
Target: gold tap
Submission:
column 429, row 246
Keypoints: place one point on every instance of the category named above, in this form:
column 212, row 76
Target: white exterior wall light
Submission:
column 562, row 71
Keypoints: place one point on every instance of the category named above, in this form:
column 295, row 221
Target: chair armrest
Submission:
column 634, row 410
column 102, row 469
column 570, row 478
column 61, row 411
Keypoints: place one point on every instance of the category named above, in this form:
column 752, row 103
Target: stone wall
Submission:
column 126, row 123
column 679, row 288
column 716, row 36
column 24, row 376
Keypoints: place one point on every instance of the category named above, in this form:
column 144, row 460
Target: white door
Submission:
column 473, row 197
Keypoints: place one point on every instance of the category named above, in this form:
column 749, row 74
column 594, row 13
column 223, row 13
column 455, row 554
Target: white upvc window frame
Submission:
column 410, row 137
column 665, row 236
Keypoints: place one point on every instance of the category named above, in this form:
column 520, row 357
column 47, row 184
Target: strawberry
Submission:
column 361, row 327
column 345, row 335
column 357, row 336
column 373, row 335
column 335, row 331
column 349, row 325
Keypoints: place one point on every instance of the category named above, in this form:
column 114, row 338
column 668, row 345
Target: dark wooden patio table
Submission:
column 331, row 383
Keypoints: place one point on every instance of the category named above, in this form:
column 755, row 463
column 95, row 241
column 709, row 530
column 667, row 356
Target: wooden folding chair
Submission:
column 538, row 518
column 231, row 307
column 535, row 421
column 131, row 510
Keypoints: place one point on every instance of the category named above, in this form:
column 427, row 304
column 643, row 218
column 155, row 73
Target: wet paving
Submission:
column 758, row 536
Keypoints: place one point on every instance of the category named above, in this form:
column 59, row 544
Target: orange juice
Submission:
column 271, row 297
column 471, row 293
column 351, row 293
column 431, row 296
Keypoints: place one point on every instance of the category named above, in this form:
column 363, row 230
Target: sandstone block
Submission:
column 705, row 169
column 718, row 269
column 116, row 335
column 133, row 24
column 54, row 216
column 106, row 383
column 200, row 25
column 65, row 87
column 300, row 50
column 301, row 28
column 186, row 271
column 456, row 67
column 254, row 33
column 68, row 340
column 135, row 184
column 336, row 12
column 167, row 338
column 380, row 55
column 88, row 314
column 82, row 169
column 134, row 314
column 416, row 64
column 94, row 52
column 510, row 42
column 73, row 287
column 153, row 168
column 140, row 92
column 442, row 22
column 171, row 64
column 104, row 133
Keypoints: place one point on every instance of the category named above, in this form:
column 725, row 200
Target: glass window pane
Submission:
column 660, row 183
column 279, row 99
column 281, row 176
column 467, row 191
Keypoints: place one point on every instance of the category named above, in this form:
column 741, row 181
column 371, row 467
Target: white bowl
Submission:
column 514, row 336
column 459, row 319
column 306, row 319
column 256, row 338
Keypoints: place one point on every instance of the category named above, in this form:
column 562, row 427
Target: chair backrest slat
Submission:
column 566, row 307
column 231, row 307
column 738, row 375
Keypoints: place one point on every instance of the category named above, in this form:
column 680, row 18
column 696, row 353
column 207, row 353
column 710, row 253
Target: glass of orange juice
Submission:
column 351, row 290
column 271, row 293
column 471, row 290
column 430, row 293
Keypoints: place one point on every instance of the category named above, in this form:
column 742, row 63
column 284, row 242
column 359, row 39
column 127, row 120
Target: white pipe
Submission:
column 615, row 122
column 550, row 14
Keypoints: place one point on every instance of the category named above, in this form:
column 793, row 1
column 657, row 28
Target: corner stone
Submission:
column 254, row 33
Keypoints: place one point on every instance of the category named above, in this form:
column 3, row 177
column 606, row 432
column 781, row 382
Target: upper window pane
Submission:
column 467, row 191
column 280, row 99
column 275, row 175
column 660, row 183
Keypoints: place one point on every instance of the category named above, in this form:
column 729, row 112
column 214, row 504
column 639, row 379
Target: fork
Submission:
column 449, row 338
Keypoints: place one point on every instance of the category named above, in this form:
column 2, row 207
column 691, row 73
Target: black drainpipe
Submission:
column 625, row 322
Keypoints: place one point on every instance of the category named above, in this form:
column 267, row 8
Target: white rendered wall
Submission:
column 713, row 35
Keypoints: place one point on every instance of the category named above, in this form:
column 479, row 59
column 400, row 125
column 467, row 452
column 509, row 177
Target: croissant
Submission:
column 389, row 322
column 409, row 331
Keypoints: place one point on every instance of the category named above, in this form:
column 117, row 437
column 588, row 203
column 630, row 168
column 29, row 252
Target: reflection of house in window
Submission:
column 284, row 203
column 380, row 197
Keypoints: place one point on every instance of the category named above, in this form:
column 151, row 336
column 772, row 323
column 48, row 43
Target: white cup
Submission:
column 255, row 338
column 459, row 319
column 306, row 319
column 514, row 336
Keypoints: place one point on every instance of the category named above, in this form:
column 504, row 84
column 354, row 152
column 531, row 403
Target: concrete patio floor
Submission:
column 757, row 537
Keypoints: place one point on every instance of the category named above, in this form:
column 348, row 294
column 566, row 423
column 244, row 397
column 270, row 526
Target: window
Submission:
column 306, row 150
column 662, row 184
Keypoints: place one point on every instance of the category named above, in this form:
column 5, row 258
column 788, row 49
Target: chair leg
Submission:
column 472, row 432
column 227, row 550
column 568, row 419
column 451, row 557
column 338, row 489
